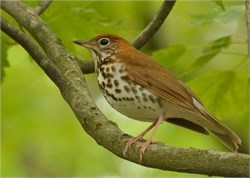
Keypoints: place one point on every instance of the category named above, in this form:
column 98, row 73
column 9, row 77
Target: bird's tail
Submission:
column 228, row 138
column 200, row 120
column 221, row 131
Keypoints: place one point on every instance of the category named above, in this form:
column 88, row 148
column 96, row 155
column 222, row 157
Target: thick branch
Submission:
column 105, row 132
column 37, row 28
column 49, row 68
column 154, row 25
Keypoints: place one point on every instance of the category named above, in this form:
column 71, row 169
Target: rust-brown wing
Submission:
column 146, row 72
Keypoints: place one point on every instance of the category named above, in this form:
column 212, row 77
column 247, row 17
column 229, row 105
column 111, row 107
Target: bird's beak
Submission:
column 85, row 44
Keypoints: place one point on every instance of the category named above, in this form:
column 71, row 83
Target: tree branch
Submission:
column 49, row 68
column 87, row 67
column 43, row 5
column 105, row 132
column 154, row 25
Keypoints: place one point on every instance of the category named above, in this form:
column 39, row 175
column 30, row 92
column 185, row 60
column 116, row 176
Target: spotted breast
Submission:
column 124, row 95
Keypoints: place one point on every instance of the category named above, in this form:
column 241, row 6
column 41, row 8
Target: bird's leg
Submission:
column 139, row 137
column 149, row 140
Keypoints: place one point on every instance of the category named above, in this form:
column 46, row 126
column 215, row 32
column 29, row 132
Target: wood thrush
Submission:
column 138, row 87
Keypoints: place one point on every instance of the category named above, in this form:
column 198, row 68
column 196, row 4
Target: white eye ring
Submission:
column 104, row 41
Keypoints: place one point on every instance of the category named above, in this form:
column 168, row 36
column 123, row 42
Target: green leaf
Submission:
column 217, row 45
column 201, row 19
column 4, row 61
column 210, row 51
column 225, row 93
column 230, row 15
column 170, row 55
column 220, row 4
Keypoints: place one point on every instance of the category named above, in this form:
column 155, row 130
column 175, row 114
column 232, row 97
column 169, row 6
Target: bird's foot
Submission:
column 142, row 146
column 131, row 141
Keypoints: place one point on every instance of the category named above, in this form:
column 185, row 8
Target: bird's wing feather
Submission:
column 164, row 85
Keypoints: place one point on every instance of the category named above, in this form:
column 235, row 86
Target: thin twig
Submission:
column 43, row 5
column 154, row 25
column 35, row 52
column 87, row 67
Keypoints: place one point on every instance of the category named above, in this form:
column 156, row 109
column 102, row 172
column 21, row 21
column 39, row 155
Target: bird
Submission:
column 138, row 87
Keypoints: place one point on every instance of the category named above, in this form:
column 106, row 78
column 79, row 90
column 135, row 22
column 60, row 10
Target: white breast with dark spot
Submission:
column 126, row 96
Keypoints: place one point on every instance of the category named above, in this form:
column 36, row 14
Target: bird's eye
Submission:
column 104, row 41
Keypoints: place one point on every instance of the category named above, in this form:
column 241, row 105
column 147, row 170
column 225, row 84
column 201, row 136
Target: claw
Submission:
column 143, row 148
column 130, row 142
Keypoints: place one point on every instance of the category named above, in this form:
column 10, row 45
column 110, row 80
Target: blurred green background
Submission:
column 203, row 43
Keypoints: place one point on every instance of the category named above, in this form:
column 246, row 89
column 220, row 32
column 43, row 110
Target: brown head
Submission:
column 104, row 45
